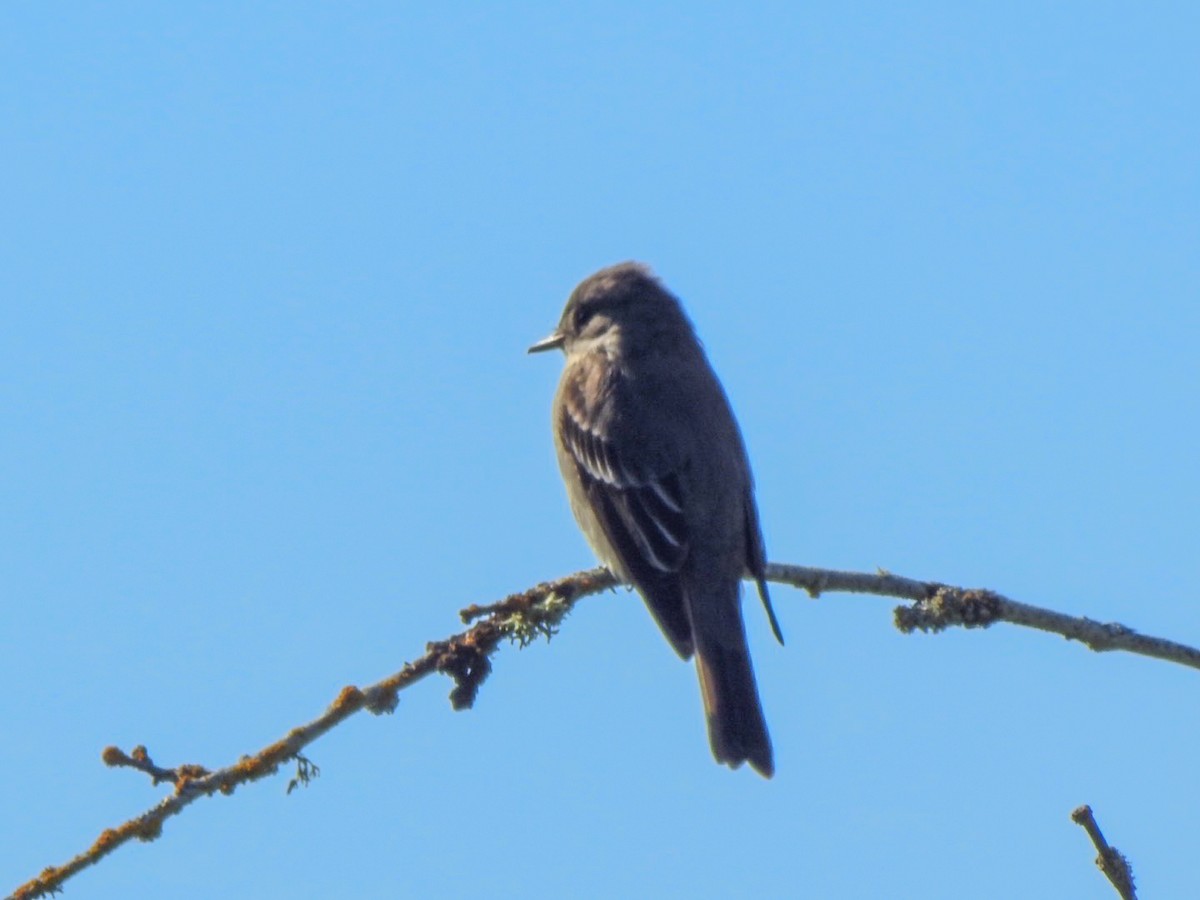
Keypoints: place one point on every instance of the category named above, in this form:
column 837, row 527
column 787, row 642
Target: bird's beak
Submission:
column 552, row 342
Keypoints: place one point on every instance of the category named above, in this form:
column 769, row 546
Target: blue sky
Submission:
column 269, row 272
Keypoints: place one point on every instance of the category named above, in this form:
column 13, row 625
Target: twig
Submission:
column 140, row 759
column 1110, row 861
column 538, row 612
column 939, row 606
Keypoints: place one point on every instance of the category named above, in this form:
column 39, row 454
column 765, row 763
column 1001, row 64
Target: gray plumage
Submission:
column 658, row 481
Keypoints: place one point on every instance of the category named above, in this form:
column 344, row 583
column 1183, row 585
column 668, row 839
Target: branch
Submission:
column 937, row 607
column 464, row 657
column 1110, row 861
column 539, row 611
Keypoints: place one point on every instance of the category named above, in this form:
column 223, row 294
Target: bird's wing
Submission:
column 756, row 561
column 641, row 513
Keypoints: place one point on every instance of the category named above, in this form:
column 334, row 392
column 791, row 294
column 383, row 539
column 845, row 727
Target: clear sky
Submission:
column 268, row 272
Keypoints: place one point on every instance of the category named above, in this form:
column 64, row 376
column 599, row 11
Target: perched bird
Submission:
column 658, row 480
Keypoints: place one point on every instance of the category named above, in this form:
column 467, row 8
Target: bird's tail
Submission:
column 737, row 730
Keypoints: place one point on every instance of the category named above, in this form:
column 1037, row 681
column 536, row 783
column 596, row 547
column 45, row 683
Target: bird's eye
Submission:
column 583, row 315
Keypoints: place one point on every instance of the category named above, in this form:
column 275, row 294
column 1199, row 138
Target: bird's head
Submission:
column 623, row 306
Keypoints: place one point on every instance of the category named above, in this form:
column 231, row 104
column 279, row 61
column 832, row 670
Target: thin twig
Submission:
column 939, row 606
column 539, row 611
column 1110, row 861
column 140, row 759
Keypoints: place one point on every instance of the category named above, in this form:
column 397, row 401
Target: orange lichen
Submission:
column 149, row 828
column 350, row 697
column 107, row 838
column 46, row 883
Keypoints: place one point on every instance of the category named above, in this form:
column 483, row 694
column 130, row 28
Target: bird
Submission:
column 659, row 482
